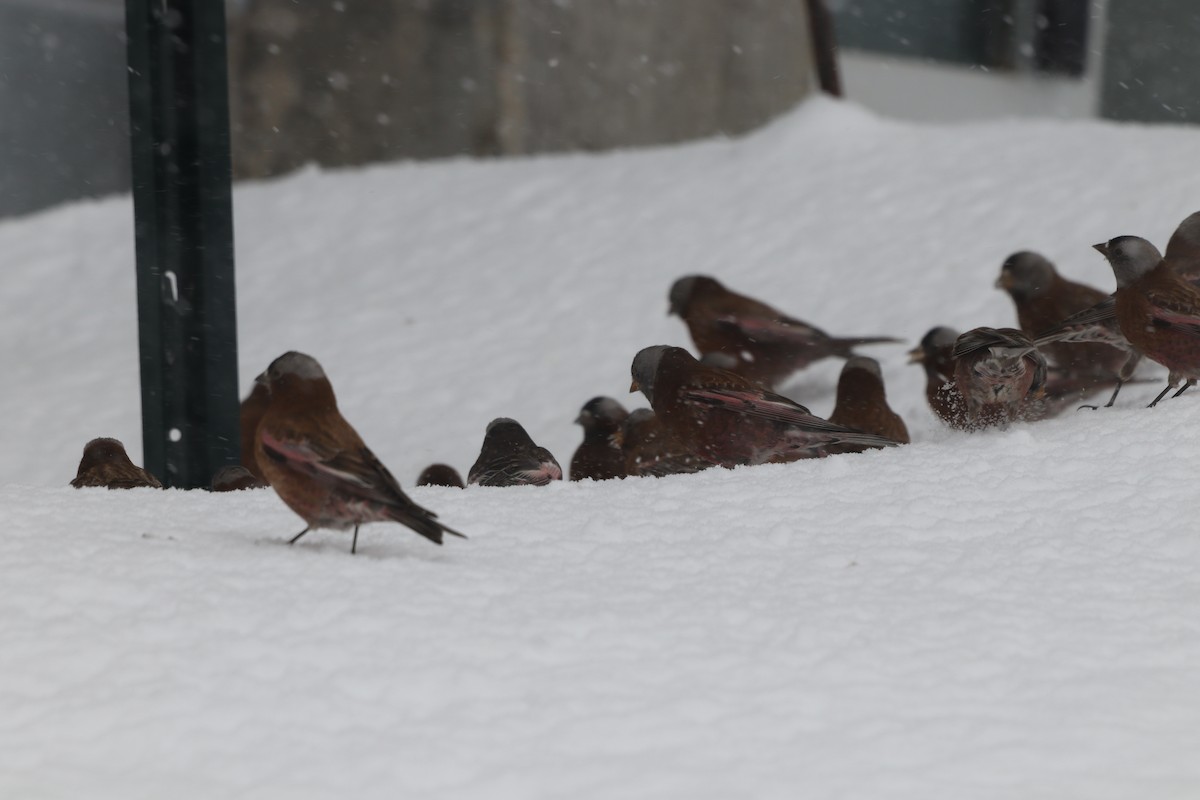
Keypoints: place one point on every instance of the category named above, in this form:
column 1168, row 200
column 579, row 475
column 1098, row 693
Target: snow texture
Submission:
column 1000, row 615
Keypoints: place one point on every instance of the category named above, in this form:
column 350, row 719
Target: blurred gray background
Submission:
column 340, row 82
column 64, row 127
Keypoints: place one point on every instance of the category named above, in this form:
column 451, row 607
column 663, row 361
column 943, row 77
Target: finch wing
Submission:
column 354, row 471
column 772, row 330
column 766, row 405
column 1097, row 323
column 1178, row 306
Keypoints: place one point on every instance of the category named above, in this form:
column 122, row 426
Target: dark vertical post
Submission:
column 824, row 42
column 183, row 217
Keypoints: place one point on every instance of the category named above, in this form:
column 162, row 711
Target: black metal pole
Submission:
column 824, row 42
column 183, row 217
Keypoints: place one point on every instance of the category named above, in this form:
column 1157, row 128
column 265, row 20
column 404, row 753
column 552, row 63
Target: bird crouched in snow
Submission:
column 234, row 478
column 998, row 371
column 440, row 475
column 726, row 419
column 649, row 450
column 319, row 465
column 862, row 404
column 935, row 354
column 1156, row 309
column 105, row 463
column 249, row 415
column 509, row 457
column 752, row 338
column 599, row 455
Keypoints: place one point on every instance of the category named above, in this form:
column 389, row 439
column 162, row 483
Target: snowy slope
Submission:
column 1005, row 615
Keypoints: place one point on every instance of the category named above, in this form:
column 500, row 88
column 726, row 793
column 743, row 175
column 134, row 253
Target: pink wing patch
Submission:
column 302, row 457
column 1185, row 323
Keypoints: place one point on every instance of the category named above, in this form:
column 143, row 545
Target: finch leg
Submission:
column 1161, row 395
column 1186, row 386
column 296, row 538
column 354, row 544
column 1111, row 400
column 1116, row 391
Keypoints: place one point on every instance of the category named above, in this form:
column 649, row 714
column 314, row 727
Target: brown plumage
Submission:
column 105, row 463
column 1043, row 298
column 250, row 415
column 936, row 355
column 1065, row 392
column 728, row 420
column 599, row 455
column 650, row 451
column 1183, row 250
column 509, row 457
column 1158, row 311
column 319, row 465
column 440, row 475
column 752, row 338
column 862, row 403
column 998, row 371
column 1097, row 323
column 234, row 478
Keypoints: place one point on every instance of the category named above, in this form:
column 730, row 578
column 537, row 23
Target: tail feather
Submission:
column 423, row 522
column 866, row 439
column 844, row 346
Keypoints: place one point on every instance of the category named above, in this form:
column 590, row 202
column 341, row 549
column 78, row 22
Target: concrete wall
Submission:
column 351, row 82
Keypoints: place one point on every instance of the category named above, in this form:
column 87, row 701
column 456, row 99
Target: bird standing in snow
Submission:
column 750, row 338
column 319, row 465
column 726, row 419
column 509, row 457
column 1043, row 298
column 1098, row 323
column 1183, row 249
column 105, row 463
column 1158, row 311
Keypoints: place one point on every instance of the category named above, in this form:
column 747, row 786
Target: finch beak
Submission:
column 916, row 356
column 1102, row 248
column 579, row 420
column 262, row 380
column 633, row 387
column 1004, row 281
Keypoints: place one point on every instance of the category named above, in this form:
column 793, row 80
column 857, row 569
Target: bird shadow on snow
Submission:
column 372, row 546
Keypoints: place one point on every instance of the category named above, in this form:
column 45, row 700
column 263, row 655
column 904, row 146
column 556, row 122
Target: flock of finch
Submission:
column 721, row 409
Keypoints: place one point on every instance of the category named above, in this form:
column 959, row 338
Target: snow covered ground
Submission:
column 1001, row 615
